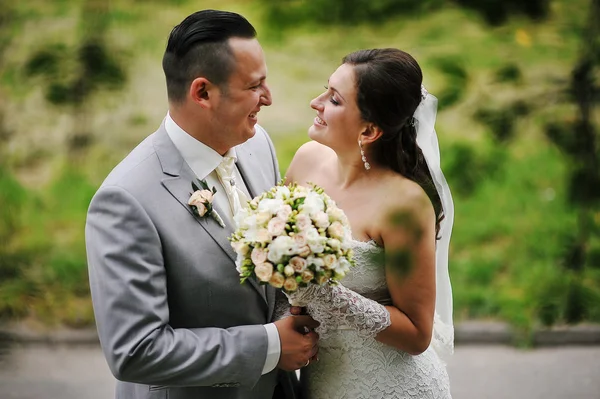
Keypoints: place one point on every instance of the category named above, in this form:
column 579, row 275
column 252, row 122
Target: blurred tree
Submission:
column 95, row 67
column 579, row 140
column 281, row 14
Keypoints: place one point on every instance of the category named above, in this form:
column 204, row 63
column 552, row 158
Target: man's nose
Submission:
column 266, row 98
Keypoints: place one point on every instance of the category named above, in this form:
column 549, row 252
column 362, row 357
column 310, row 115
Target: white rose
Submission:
column 307, row 276
column 298, row 264
column 270, row 205
column 335, row 244
column 316, row 247
column 303, row 222
column 288, row 270
column 290, row 284
column 260, row 235
column 312, row 235
column 321, row 220
column 264, row 271
column 330, row 261
column 313, row 204
column 277, row 280
column 240, row 247
column 285, row 212
column 240, row 218
column 300, row 192
column 343, row 267
column 276, row 226
column 238, row 263
column 336, row 230
column 280, row 247
column 259, row 255
column 283, row 192
column 317, row 262
column 336, row 214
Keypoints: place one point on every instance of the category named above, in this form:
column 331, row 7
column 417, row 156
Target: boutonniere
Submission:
column 201, row 201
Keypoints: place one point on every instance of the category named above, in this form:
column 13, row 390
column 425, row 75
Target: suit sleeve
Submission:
column 129, row 294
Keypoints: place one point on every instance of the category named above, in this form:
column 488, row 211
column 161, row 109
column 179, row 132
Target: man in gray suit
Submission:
column 173, row 319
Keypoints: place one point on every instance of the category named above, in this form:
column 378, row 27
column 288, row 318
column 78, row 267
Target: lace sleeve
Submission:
column 335, row 306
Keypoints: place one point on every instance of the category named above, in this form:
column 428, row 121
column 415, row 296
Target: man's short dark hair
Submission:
column 198, row 47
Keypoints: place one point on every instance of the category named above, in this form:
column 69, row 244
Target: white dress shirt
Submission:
column 203, row 161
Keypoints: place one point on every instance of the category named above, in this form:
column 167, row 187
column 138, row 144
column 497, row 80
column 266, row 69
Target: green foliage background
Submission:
column 498, row 87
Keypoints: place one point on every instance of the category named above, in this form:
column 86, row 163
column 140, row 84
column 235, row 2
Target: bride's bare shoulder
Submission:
column 311, row 150
column 307, row 158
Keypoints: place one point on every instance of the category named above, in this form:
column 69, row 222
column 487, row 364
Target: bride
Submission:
column 374, row 151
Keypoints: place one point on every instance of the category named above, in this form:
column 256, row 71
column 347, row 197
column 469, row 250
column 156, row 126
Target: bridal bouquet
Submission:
column 291, row 237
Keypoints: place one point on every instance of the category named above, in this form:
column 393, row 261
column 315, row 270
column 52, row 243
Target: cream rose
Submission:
column 262, row 218
column 322, row 278
column 298, row 264
column 290, row 284
column 264, row 271
column 304, row 251
column 285, row 212
column 300, row 239
column 240, row 247
column 276, row 226
column 329, row 261
column 336, row 214
column 303, row 222
column 336, row 230
column 258, row 255
column 288, row 270
column 307, row 276
column 321, row 220
column 277, row 280
column 334, row 244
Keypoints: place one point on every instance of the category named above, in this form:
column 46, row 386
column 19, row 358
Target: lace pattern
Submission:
column 352, row 364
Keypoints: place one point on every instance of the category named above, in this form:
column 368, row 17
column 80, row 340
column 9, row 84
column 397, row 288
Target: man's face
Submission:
column 235, row 112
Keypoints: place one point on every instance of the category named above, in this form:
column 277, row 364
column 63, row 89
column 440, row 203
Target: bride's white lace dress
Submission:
column 353, row 366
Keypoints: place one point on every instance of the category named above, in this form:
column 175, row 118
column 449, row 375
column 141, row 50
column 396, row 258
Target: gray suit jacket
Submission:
column 173, row 319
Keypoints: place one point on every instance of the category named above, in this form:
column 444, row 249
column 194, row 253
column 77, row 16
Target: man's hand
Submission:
column 297, row 347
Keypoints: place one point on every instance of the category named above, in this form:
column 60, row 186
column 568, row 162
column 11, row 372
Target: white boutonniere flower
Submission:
column 201, row 201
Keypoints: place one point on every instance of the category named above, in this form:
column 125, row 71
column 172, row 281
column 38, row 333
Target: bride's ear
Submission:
column 371, row 134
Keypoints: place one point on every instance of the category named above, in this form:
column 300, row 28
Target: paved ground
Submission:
column 482, row 372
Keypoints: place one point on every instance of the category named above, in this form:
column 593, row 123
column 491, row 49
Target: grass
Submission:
column 512, row 218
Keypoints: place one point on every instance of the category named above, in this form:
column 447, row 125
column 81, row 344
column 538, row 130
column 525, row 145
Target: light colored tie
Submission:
column 234, row 194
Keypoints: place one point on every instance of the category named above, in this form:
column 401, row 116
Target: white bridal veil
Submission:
column 443, row 327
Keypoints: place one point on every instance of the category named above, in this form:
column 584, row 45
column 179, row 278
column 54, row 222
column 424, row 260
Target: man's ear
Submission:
column 371, row 134
column 201, row 92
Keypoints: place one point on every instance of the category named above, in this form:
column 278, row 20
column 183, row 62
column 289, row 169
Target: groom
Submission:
column 173, row 319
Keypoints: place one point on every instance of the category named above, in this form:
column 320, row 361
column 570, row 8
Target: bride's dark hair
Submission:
column 388, row 83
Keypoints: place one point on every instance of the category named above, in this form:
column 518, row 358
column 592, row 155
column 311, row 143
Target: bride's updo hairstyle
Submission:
column 388, row 86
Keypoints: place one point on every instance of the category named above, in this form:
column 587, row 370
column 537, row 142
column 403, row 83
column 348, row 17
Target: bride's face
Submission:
column 338, row 123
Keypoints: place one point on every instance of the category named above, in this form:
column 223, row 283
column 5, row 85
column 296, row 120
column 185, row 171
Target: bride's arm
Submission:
column 409, row 239
column 408, row 234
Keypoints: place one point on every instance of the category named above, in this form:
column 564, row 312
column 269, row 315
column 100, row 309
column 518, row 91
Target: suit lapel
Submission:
column 178, row 181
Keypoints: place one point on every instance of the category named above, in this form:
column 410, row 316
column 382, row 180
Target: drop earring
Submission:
column 363, row 156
